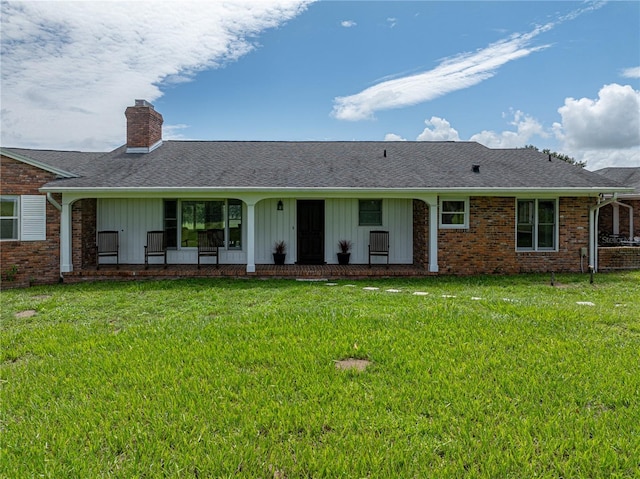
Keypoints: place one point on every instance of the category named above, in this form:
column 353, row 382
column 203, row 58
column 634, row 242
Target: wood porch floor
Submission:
column 108, row 272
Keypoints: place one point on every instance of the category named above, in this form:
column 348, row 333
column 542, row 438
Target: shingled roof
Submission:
column 65, row 163
column 430, row 166
column 625, row 176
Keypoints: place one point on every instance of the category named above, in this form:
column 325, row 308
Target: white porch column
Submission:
column 616, row 218
column 66, row 261
column 593, row 237
column 433, row 234
column 251, row 237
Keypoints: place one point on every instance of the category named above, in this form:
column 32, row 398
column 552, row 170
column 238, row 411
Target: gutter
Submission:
column 51, row 200
column 102, row 191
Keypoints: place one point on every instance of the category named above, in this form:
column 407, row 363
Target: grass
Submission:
column 481, row 377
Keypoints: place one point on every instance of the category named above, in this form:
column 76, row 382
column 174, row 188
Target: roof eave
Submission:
column 328, row 191
column 38, row 164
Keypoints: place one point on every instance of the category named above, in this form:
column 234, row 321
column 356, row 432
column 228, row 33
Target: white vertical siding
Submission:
column 273, row 225
column 341, row 219
column 132, row 218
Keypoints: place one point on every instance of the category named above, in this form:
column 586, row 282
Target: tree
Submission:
column 559, row 156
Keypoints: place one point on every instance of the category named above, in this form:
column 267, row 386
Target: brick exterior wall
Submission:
column 488, row 245
column 618, row 258
column 83, row 233
column 37, row 262
column 420, row 234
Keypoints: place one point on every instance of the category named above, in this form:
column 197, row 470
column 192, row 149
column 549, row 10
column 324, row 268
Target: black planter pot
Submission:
column 343, row 258
column 278, row 258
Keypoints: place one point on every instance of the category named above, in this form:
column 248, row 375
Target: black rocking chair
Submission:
column 209, row 243
column 156, row 246
column 107, row 245
column 379, row 245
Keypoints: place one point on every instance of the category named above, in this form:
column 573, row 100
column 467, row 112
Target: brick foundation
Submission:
column 618, row 258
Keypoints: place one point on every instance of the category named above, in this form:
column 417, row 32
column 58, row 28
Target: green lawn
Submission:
column 503, row 377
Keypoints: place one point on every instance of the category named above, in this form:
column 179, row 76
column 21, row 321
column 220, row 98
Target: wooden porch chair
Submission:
column 209, row 242
column 107, row 245
column 156, row 246
column 379, row 245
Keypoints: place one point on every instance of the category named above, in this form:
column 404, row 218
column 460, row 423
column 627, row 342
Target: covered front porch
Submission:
column 133, row 272
column 246, row 249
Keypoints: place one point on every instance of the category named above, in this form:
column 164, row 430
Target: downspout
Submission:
column 51, row 200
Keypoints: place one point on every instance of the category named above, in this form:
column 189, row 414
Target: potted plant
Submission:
column 279, row 252
column 344, row 254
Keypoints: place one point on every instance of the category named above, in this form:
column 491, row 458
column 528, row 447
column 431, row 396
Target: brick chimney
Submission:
column 144, row 127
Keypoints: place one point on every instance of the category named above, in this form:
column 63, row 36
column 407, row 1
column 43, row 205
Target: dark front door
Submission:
column 310, row 231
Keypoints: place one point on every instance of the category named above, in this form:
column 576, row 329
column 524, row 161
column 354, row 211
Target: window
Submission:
column 370, row 212
column 9, row 218
column 234, row 238
column 536, row 226
column 201, row 215
column 171, row 223
column 23, row 218
column 454, row 213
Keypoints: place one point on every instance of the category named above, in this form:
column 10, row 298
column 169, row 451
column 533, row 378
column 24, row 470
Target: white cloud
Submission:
column 393, row 137
column 348, row 23
column 172, row 132
column 597, row 159
column 633, row 72
column 441, row 131
column 66, row 64
column 603, row 132
column 392, row 22
column 612, row 121
column 455, row 73
column 527, row 127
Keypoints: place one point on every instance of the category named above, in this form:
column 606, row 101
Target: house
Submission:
column 450, row 207
column 618, row 221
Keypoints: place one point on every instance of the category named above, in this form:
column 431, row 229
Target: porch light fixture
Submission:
column 280, row 205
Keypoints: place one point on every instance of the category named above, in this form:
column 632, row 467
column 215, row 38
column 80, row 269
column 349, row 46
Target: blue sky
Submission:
column 558, row 75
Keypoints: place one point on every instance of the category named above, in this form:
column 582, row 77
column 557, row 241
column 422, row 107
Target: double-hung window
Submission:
column 9, row 218
column 536, row 225
column 23, row 218
column 454, row 213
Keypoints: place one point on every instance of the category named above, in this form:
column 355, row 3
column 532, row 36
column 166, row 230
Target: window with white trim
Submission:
column 454, row 213
column 9, row 217
column 200, row 215
column 23, row 218
column 536, row 225
column 370, row 212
